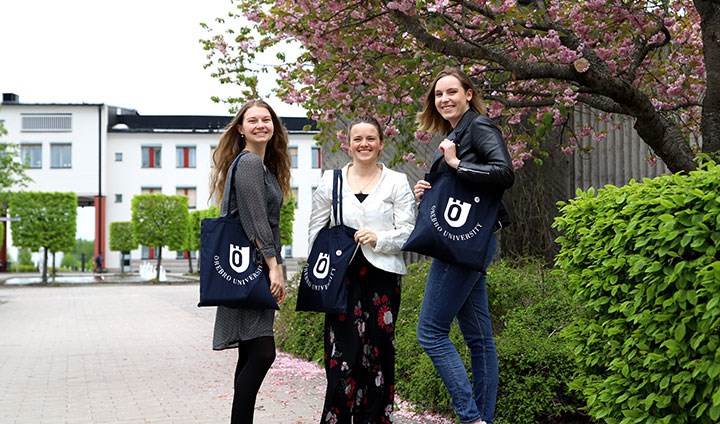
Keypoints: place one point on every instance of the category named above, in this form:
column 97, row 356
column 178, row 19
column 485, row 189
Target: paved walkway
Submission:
column 112, row 353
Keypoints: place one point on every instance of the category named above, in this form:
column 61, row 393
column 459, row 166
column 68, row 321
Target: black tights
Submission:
column 255, row 357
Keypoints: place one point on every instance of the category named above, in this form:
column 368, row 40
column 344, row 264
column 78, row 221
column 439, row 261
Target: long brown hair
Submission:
column 430, row 120
column 277, row 159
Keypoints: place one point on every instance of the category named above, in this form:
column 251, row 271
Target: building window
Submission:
column 118, row 198
column 118, row 157
column 185, row 157
column 288, row 251
column 151, row 156
column 56, row 122
column 150, row 190
column 190, row 193
column 212, row 152
column 31, row 155
column 60, row 155
column 148, row 252
column 316, row 158
column 293, row 151
column 184, row 254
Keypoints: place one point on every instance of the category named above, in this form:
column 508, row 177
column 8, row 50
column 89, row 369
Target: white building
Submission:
column 107, row 154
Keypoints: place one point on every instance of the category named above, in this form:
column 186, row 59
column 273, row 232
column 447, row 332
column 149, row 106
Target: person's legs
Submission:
column 476, row 327
column 254, row 360
column 446, row 291
column 342, row 354
column 376, row 371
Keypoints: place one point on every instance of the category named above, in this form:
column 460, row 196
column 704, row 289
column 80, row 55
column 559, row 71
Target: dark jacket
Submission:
column 484, row 157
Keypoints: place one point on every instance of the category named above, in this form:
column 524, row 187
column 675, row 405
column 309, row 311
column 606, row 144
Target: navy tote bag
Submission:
column 454, row 221
column 233, row 272
column 322, row 282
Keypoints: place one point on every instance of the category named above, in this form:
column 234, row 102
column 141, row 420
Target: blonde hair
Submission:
column 277, row 159
column 430, row 120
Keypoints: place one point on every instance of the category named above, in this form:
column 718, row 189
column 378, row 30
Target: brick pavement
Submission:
column 111, row 353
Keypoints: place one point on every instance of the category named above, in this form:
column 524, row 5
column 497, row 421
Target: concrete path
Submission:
column 111, row 353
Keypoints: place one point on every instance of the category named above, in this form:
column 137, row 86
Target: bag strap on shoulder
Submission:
column 226, row 209
column 337, row 196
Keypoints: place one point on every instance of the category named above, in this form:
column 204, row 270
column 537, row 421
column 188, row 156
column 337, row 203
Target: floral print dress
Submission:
column 360, row 348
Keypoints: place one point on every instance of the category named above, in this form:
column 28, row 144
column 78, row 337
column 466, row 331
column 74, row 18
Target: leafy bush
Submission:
column 644, row 261
column 299, row 333
column 530, row 308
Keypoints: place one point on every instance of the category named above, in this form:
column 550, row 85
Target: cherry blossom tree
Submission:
column 535, row 60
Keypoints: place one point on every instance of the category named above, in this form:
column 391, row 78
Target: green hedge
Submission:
column 530, row 308
column 644, row 260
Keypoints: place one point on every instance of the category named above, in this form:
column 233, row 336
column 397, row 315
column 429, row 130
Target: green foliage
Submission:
column 530, row 307
column 159, row 220
column 299, row 333
column 121, row 237
column 84, row 246
column 287, row 217
column 644, row 261
column 73, row 259
column 196, row 217
column 196, row 224
column 25, row 257
column 12, row 170
column 535, row 358
column 47, row 220
column 70, row 261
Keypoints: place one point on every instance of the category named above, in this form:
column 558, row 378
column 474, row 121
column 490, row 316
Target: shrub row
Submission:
column 530, row 308
column 644, row 260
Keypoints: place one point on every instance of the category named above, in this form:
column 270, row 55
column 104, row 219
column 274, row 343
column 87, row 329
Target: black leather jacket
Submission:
column 484, row 157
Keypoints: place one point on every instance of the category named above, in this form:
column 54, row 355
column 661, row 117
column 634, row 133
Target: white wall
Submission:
column 127, row 177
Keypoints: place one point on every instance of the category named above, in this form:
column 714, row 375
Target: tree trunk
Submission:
column 190, row 270
column 709, row 11
column 45, row 263
column 157, row 267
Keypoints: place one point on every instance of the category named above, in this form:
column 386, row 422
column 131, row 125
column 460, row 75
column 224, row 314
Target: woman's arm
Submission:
column 492, row 165
column 321, row 207
column 249, row 186
column 404, row 214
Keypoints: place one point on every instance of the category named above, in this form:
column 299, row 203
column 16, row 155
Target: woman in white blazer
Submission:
column 359, row 345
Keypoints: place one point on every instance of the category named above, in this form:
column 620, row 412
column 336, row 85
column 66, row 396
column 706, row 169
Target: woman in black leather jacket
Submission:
column 475, row 150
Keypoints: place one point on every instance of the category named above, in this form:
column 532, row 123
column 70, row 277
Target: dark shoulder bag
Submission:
column 322, row 282
column 233, row 272
column 455, row 219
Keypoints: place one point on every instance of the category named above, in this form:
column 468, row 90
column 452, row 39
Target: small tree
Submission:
column 122, row 238
column 46, row 220
column 211, row 212
column 184, row 243
column 159, row 220
column 287, row 217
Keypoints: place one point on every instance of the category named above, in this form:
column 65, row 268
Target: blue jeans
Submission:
column 452, row 292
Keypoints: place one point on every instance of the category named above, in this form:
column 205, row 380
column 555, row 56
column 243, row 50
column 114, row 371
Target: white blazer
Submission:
column 389, row 210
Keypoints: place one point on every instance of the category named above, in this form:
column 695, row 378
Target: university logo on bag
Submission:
column 239, row 258
column 456, row 212
column 322, row 266
column 239, row 261
column 322, row 270
column 455, row 216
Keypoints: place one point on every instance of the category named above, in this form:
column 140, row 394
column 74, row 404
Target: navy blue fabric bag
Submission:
column 233, row 272
column 322, row 282
column 455, row 221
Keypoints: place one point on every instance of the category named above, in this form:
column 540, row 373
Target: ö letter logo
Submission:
column 322, row 266
column 239, row 258
column 456, row 212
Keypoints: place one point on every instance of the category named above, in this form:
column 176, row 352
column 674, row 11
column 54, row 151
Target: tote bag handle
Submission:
column 226, row 209
column 337, row 197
